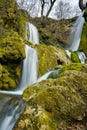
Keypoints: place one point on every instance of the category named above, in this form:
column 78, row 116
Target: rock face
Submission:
column 50, row 57
column 59, row 103
column 11, row 54
column 53, row 32
column 12, row 50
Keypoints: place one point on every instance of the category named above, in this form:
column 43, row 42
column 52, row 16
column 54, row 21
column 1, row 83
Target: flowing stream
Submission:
column 74, row 39
column 11, row 106
column 10, row 110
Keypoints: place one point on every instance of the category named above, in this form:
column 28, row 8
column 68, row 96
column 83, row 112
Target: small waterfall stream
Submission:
column 32, row 33
column 74, row 40
column 10, row 110
column 12, row 106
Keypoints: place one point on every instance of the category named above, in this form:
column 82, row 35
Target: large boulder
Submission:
column 50, row 57
column 12, row 52
column 11, row 47
column 11, row 17
column 59, row 103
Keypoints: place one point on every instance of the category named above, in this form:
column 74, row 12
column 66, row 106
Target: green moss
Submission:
column 50, row 57
column 74, row 57
column 12, row 47
column 73, row 66
column 52, row 32
column 56, row 103
column 12, row 52
column 11, row 17
column 10, row 75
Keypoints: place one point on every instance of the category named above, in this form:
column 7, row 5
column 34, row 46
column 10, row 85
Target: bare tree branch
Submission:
column 52, row 3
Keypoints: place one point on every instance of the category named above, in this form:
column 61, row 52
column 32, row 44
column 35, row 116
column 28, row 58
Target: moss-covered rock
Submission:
column 53, row 32
column 49, row 57
column 9, row 76
column 74, row 57
column 59, row 103
column 12, row 52
column 9, row 13
column 73, row 66
column 11, row 17
column 11, row 47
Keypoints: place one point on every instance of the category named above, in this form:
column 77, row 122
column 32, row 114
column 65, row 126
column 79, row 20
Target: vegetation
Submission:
column 50, row 57
column 56, row 103
column 60, row 102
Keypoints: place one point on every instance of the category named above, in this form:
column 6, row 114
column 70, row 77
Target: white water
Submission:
column 32, row 33
column 29, row 76
column 75, row 34
column 74, row 40
column 29, row 69
column 81, row 56
column 13, row 109
column 29, row 66
column 10, row 111
column 45, row 76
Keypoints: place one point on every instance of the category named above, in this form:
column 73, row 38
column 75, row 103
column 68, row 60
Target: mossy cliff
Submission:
column 57, row 104
column 60, row 102
column 12, row 50
column 11, row 17
column 50, row 57
column 11, row 54
column 53, row 32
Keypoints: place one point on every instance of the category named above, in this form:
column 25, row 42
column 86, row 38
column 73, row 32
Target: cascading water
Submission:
column 81, row 56
column 13, row 107
column 45, row 76
column 29, row 66
column 29, row 70
column 10, row 111
column 74, row 40
column 75, row 34
column 32, row 33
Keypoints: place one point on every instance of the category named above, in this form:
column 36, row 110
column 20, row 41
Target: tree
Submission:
column 44, row 3
column 63, row 10
column 81, row 5
column 52, row 4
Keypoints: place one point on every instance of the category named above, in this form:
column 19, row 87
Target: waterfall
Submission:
column 11, row 109
column 75, row 34
column 81, row 56
column 74, row 39
column 29, row 65
column 45, row 76
column 29, row 70
column 32, row 33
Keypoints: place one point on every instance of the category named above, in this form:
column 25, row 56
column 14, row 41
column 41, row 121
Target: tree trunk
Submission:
column 42, row 7
column 82, row 7
column 52, row 3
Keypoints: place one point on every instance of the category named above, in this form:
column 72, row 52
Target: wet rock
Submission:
column 59, row 103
